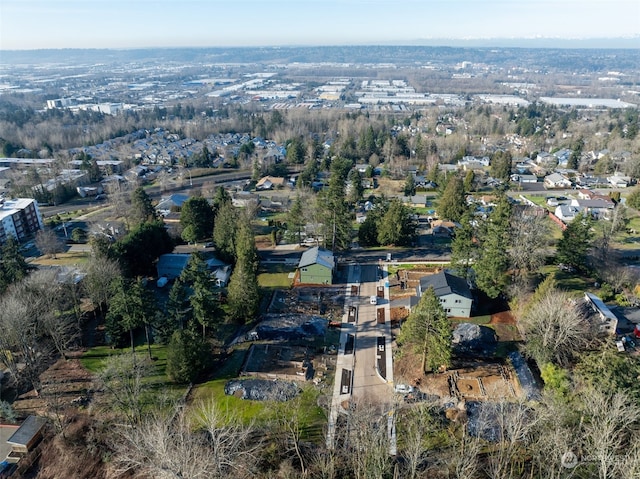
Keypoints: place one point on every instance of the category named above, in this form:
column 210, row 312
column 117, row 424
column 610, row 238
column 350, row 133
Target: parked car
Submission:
column 403, row 389
column 373, row 300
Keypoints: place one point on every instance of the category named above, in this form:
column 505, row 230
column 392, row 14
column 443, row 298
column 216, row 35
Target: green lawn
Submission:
column 157, row 381
column 275, row 276
column 312, row 417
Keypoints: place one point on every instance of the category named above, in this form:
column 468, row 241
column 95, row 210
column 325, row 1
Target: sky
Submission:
column 36, row 24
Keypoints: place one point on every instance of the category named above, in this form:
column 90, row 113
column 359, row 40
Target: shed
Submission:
column 27, row 435
column 316, row 266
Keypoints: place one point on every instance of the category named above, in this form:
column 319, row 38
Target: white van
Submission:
column 373, row 300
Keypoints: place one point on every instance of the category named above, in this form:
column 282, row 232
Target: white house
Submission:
column 598, row 207
column 567, row 213
column 619, row 181
column 556, row 180
column 454, row 293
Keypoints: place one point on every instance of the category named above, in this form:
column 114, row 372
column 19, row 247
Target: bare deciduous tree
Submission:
column 100, row 272
column 48, row 242
column 528, row 242
column 609, row 423
column 415, row 424
column 555, row 328
column 367, row 440
column 207, row 445
column 122, row 377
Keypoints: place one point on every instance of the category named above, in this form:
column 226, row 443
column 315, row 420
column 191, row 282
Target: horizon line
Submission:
column 479, row 42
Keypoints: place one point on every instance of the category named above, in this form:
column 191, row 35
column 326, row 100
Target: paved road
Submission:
column 360, row 358
column 368, row 385
column 152, row 191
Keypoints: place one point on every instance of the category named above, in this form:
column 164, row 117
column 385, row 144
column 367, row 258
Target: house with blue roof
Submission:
column 316, row 266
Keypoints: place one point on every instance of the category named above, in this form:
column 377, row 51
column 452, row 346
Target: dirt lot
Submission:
column 410, row 278
column 324, row 301
column 479, row 381
column 65, row 384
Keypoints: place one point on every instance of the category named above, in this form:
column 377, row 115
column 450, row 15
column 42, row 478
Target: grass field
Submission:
column 312, row 417
column 63, row 259
column 157, row 383
column 275, row 276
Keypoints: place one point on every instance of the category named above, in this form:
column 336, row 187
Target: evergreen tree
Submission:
column 492, row 265
column 13, row 266
column 220, row 197
column 142, row 209
column 196, row 219
column 452, row 203
column 178, row 312
column 138, row 251
column 243, row 295
column 295, row 151
column 187, row 356
column 427, row 332
column 396, row 226
column 224, row 232
column 131, row 306
column 296, row 220
column 575, row 243
column 335, row 213
column 501, row 165
column 368, row 231
column 356, row 189
column 463, row 248
column 468, row 181
column 410, row 185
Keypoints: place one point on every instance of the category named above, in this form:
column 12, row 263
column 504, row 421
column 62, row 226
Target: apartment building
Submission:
column 19, row 218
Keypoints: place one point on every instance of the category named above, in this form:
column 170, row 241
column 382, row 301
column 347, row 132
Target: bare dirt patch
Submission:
column 66, row 384
column 504, row 317
column 324, row 301
column 405, row 281
column 478, row 381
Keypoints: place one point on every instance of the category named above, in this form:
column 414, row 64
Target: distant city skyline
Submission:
column 38, row 24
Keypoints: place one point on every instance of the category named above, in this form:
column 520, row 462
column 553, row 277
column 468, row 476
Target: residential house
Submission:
column 220, row 272
column 171, row 265
column 523, row 178
column 608, row 321
column 26, row 436
column 273, row 156
column 415, row 200
column 563, row 156
column 567, row 213
column 445, row 129
column 452, row 291
column 443, row 227
column 545, row 158
column 556, row 180
column 618, row 181
column 270, row 182
column 598, row 207
column 423, row 183
column 316, row 266
column 171, row 203
column 242, row 199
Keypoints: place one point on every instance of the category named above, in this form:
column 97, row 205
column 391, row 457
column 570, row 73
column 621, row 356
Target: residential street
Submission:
column 364, row 368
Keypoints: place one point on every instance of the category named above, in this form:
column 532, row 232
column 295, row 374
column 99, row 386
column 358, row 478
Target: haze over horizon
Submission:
column 116, row 24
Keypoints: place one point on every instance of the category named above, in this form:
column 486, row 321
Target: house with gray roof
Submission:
column 316, row 266
column 452, row 291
